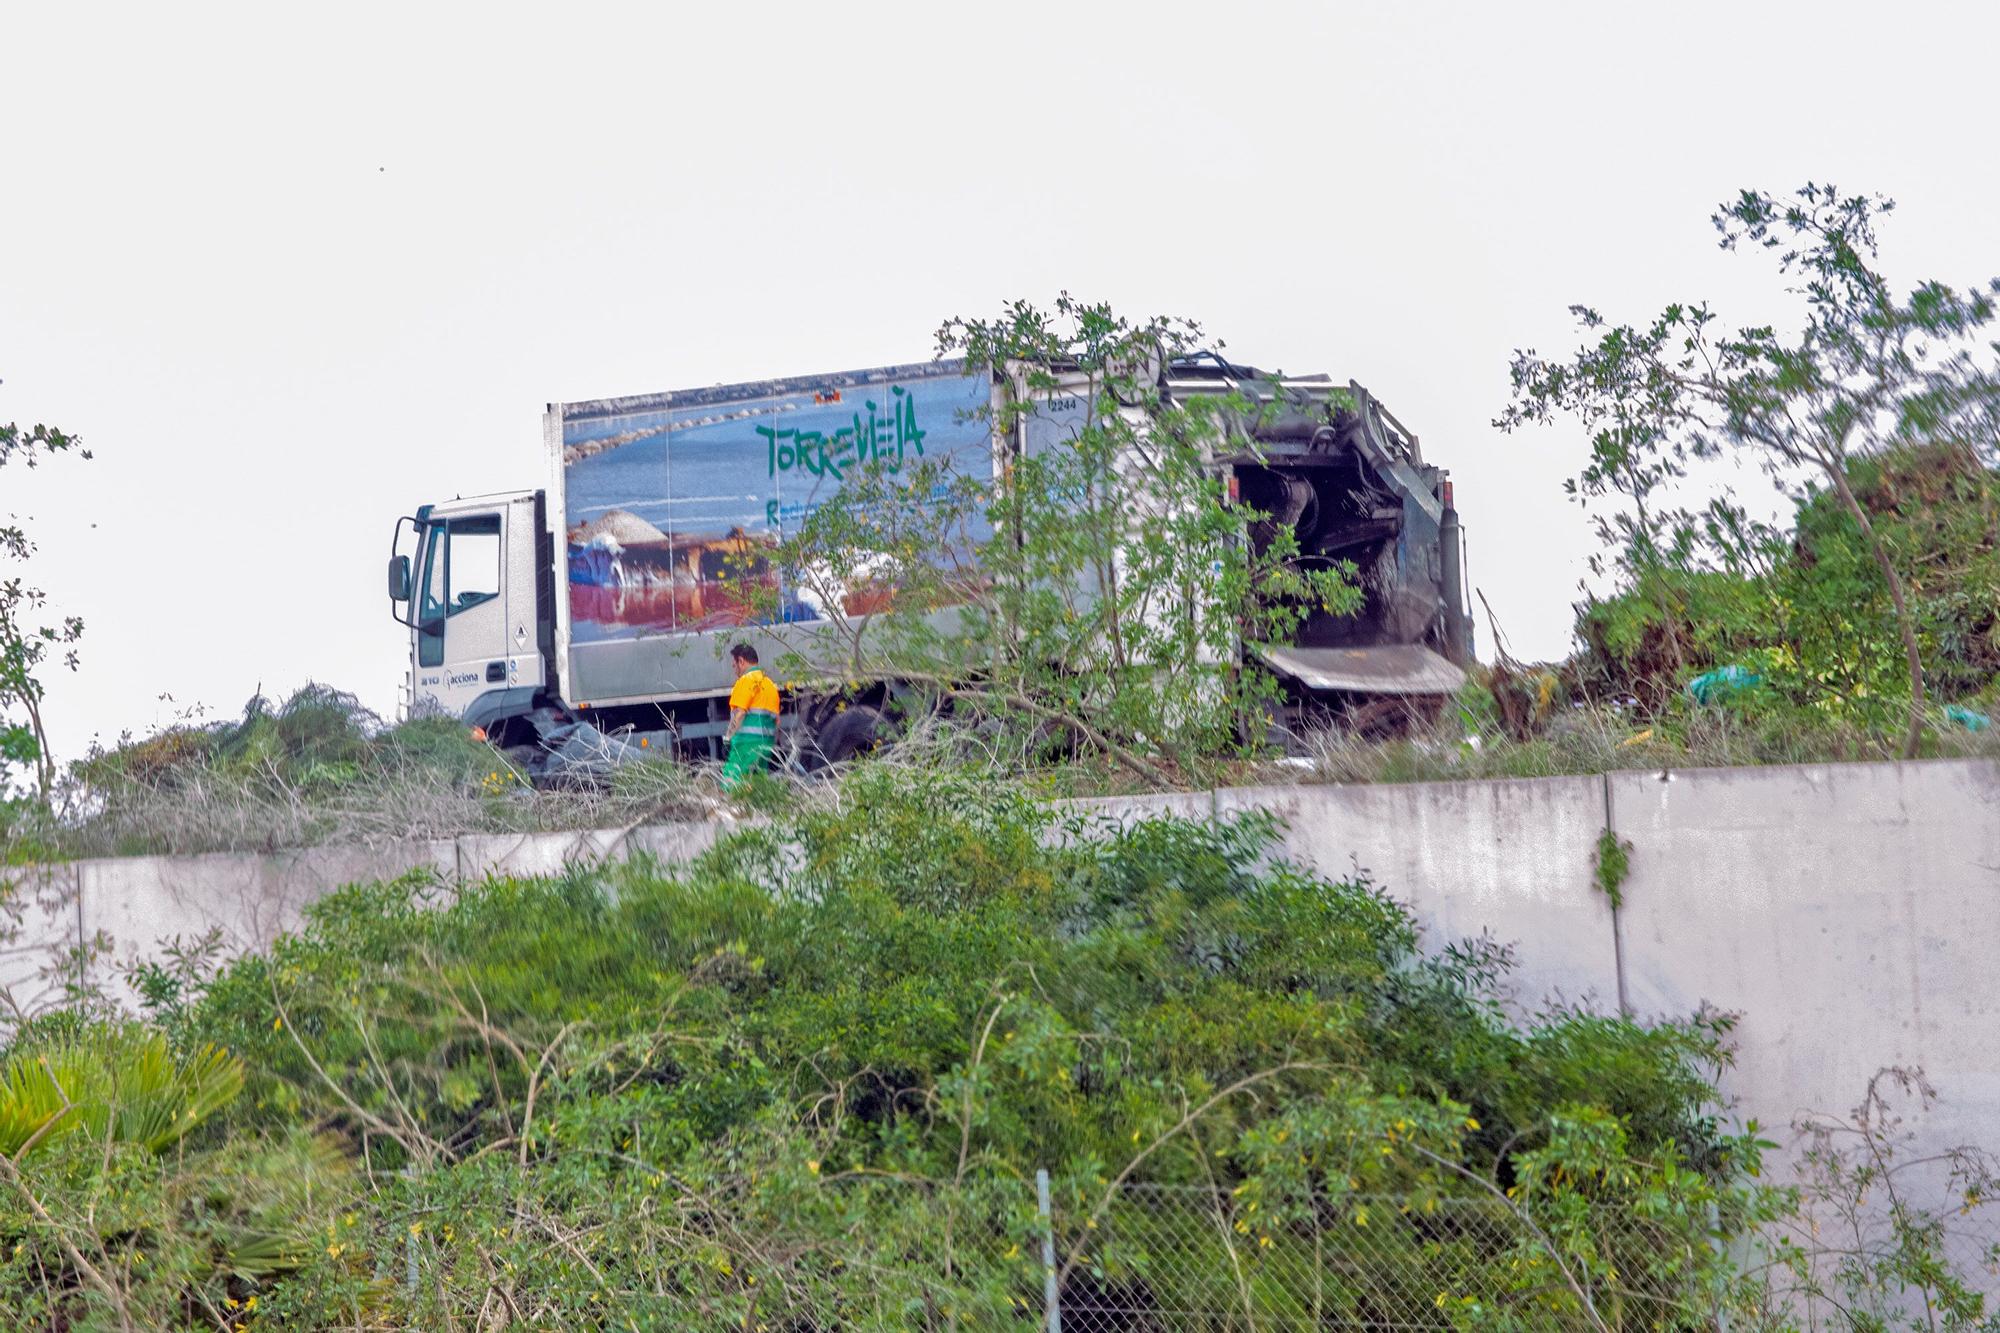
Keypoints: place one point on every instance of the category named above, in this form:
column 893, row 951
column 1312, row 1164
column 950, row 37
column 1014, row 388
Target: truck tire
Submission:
column 1394, row 717
column 853, row 731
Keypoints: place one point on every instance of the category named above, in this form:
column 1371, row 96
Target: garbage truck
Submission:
column 600, row 608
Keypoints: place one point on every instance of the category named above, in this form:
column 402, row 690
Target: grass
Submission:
column 320, row 768
column 1600, row 739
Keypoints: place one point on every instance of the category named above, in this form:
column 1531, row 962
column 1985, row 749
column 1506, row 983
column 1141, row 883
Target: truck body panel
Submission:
column 670, row 503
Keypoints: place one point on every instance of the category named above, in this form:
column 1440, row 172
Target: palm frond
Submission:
column 118, row 1084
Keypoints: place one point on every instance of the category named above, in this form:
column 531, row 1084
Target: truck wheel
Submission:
column 854, row 731
column 1395, row 717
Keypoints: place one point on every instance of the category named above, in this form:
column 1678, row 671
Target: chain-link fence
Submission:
column 1147, row 1258
column 870, row 1251
column 1180, row 1258
column 1869, row 1267
column 1974, row 1251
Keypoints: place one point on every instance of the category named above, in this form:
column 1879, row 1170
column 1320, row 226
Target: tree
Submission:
column 1099, row 586
column 26, row 639
column 1864, row 370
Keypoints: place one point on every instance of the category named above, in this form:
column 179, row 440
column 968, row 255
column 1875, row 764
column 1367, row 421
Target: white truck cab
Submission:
column 466, row 577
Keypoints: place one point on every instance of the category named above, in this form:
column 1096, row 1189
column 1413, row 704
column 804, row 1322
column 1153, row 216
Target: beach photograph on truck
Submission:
column 674, row 504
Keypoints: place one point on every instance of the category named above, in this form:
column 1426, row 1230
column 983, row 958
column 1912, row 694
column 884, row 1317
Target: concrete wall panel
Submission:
column 1153, row 805
column 672, row 844
column 525, row 855
column 141, row 903
column 1850, row 912
column 38, row 915
column 1511, row 859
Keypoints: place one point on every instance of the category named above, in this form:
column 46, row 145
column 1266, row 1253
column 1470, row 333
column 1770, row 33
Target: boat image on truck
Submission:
column 591, row 619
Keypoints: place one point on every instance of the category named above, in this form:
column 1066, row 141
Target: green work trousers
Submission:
column 748, row 751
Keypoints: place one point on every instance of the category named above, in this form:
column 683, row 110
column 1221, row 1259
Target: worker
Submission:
column 753, row 717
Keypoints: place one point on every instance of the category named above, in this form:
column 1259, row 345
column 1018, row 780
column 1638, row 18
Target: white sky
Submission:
column 292, row 272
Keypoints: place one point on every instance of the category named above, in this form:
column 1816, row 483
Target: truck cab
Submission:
column 468, row 578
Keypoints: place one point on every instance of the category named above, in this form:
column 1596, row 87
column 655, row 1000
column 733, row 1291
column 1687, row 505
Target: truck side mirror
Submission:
column 399, row 578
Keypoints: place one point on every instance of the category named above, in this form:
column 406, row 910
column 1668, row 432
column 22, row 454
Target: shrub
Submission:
column 813, row 1071
column 1809, row 612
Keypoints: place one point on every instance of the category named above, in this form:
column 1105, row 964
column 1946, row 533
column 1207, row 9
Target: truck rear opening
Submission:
column 1331, row 466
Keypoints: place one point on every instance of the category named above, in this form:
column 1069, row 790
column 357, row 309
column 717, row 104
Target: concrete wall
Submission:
column 137, row 903
column 39, row 930
column 1505, row 859
column 129, row 908
column 1850, row 913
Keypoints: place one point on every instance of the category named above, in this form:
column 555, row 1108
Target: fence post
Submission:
column 1722, row 1252
column 1051, row 1300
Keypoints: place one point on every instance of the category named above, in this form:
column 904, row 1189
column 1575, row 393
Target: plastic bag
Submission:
column 1969, row 718
column 1714, row 686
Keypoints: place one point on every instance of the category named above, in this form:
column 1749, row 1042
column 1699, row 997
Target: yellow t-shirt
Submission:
column 754, row 691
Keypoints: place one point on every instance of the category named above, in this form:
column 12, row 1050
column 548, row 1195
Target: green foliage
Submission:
column 114, row 1084
column 319, row 767
column 856, row 1031
column 1650, row 640
column 1859, row 371
column 1934, row 508
column 28, row 640
column 1807, row 611
column 1610, row 864
column 103, row 1208
column 317, row 741
column 102, row 1234
column 1882, row 1243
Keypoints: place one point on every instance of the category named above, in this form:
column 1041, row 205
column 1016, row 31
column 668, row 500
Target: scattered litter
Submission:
column 1969, row 718
column 1715, row 686
column 577, row 751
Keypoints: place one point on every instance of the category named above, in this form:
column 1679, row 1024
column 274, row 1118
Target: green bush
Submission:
column 817, row 1070
column 1810, row 612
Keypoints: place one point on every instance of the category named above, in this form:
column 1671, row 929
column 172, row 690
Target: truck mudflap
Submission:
column 1392, row 668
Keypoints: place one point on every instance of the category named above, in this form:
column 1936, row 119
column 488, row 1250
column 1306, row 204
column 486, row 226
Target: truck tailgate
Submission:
column 1397, row 668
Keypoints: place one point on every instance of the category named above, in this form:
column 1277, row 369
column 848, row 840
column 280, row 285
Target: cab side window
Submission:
column 474, row 562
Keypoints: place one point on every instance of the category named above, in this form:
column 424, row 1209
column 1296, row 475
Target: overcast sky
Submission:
column 292, row 271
